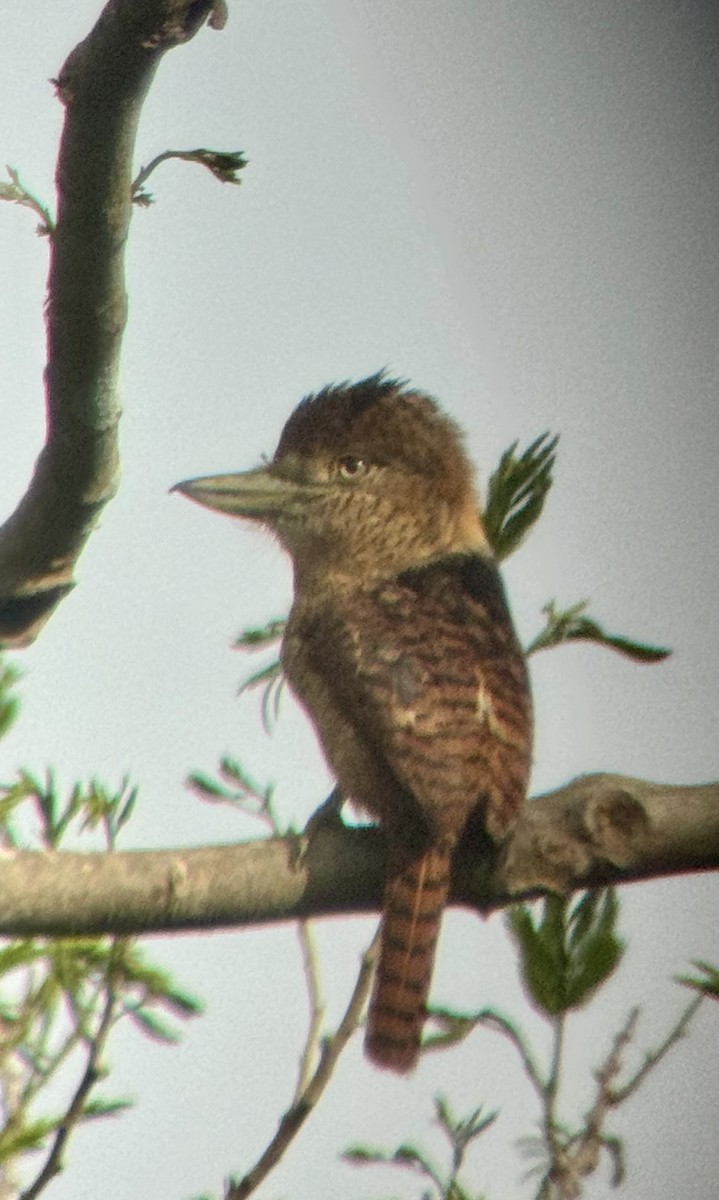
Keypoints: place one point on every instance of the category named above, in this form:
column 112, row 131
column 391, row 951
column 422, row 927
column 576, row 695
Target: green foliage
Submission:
column 269, row 677
column 88, row 808
column 708, row 985
column 569, row 950
column 573, row 625
column 261, row 636
column 60, row 998
column 9, row 703
column 459, row 1133
column 566, row 952
column 235, row 786
column 516, row 493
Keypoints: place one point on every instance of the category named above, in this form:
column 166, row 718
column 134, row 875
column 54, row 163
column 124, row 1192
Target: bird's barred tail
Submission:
column 413, row 905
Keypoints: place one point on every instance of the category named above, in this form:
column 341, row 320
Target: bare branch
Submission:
column 102, row 85
column 295, row 1117
column 489, row 1019
column 618, row 1095
column 597, row 830
column 53, row 1164
column 575, row 1156
column 305, row 935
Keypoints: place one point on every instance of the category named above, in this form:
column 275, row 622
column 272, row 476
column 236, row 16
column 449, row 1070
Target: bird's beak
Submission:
column 259, row 494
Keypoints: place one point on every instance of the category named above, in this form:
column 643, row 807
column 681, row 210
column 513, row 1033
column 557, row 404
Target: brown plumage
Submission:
column 400, row 646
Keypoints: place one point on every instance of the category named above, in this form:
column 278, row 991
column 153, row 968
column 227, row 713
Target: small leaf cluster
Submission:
column 568, row 949
column 707, row 983
column 516, row 493
column 573, row 625
column 460, row 1134
column 269, row 677
column 87, row 808
column 234, row 785
column 60, row 998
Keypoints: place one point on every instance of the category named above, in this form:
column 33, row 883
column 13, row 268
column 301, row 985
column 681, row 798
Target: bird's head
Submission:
column 368, row 479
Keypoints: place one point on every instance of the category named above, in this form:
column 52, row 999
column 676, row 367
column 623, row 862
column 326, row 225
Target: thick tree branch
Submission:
column 103, row 85
column 598, row 829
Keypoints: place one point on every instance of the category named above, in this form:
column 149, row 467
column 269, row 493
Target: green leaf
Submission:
column 572, row 625
column 363, row 1154
column 15, row 1139
column 207, row 787
column 462, row 1130
column 236, row 775
column 99, row 1107
column 595, row 949
column 569, row 951
column 270, row 677
column 263, row 635
column 153, row 1026
column 9, row 704
column 157, row 984
column 709, row 985
column 542, row 952
column 126, row 809
column 237, row 787
column 516, row 493
column 20, row 954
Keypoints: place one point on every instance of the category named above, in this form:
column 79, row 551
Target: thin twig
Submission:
column 295, row 1117
column 223, row 165
column 17, row 193
column 572, row 1159
column 310, row 965
column 76, row 1108
column 494, row 1020
column 552, row 1086
column 619, row 1095
column 145, row 172
column 594, row 1120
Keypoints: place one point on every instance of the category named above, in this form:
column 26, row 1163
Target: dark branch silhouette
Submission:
column 102, row 86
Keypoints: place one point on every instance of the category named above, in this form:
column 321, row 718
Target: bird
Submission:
column 401, row 648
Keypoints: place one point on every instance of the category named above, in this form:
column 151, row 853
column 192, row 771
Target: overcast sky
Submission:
column 513, row 205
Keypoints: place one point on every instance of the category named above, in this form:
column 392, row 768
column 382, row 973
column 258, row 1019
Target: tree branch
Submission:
column 74, row 1114
column 102, row 85
column 597, row 830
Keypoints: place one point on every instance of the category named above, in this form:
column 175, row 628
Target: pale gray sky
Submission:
column 513, row 205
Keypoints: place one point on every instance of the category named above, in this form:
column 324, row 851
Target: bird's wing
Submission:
column 427, row 669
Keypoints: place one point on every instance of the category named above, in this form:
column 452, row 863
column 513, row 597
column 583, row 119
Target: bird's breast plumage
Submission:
column 419, row 693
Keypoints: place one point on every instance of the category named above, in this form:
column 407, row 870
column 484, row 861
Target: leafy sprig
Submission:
column 516, row 493
column 573, row 625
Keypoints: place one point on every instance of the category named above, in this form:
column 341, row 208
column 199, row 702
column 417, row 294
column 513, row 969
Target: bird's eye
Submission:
column 351, row 468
